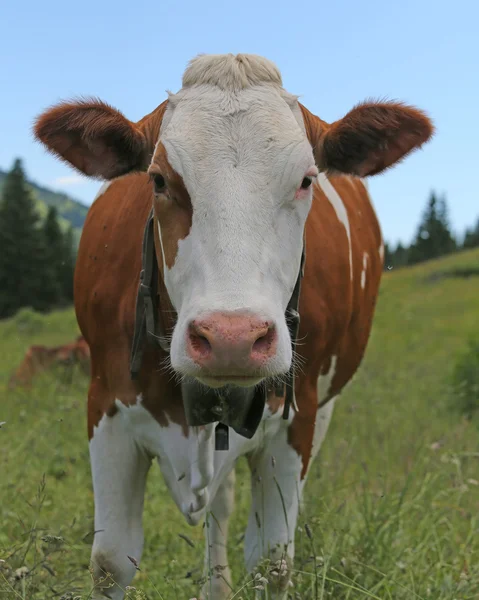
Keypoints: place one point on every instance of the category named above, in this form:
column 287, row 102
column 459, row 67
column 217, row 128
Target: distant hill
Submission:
column 71, row 211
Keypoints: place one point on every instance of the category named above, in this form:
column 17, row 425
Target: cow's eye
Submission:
column 307, row 181
column 159, row 183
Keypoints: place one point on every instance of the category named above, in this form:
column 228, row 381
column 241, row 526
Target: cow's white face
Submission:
column 239, row 179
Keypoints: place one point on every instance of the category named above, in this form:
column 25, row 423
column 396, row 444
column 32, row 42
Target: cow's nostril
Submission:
column 264, row 343
column 231, row 342
column 199, row 343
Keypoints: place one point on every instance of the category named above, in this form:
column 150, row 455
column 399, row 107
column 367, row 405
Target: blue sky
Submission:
column 332, row 54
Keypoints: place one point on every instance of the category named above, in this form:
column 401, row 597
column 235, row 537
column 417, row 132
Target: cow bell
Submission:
column 229, row 406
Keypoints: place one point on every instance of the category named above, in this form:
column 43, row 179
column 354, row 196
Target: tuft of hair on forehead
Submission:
column 231, row 72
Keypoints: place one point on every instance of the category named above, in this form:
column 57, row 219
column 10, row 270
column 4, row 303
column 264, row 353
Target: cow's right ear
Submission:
column 372, row 137
column 94, row 138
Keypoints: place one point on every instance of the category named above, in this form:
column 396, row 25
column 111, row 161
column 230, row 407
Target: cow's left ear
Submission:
column 369, row 139
column 96, row 139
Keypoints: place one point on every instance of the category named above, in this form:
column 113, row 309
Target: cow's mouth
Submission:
column 220, row 381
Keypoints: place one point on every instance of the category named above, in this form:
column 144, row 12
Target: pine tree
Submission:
column 67, row 266
column 388, row 257
column 400, row 256
column 54, row 250
column 446, row 240
column 433, row 237
column 471, row 237
column 25, row 279
column 394, row 257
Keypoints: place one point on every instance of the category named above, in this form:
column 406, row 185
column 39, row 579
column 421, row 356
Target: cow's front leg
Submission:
column 217, row 571
column 276, row 491
column 278, row 476
column 119, row 470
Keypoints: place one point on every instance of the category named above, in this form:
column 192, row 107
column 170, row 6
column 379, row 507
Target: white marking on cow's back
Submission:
column 102, row 190
column 381, row 252
column 363, row 272
column 338, row 205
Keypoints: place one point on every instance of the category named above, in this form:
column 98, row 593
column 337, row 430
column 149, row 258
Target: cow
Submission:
column 40, row 358
column 240, row 178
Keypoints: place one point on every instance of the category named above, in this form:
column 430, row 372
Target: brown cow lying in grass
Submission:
column 41, row 358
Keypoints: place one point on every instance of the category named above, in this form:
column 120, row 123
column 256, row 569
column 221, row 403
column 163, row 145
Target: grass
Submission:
column 391, row 507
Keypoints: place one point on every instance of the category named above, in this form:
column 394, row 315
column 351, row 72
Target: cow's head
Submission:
column 232, row 158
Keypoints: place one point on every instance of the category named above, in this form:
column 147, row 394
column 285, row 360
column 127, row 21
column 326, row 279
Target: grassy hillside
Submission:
column 392, row 500
column 70, row 211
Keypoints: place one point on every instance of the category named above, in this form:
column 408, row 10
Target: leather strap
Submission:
column 146, row 324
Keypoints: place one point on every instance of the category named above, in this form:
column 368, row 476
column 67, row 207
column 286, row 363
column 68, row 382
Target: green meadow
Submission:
column 391, row 507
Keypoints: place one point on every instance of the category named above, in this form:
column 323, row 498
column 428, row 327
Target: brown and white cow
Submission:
column 237, row 171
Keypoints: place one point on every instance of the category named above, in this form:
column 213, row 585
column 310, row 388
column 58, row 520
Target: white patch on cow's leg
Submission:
column 119, row 470
column 276, row 493
column 323, row 414
column 277, row 490
column 332, row 195
column 217, row 571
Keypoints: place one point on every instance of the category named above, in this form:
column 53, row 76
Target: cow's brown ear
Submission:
column 94, row 138
column 370, row 138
